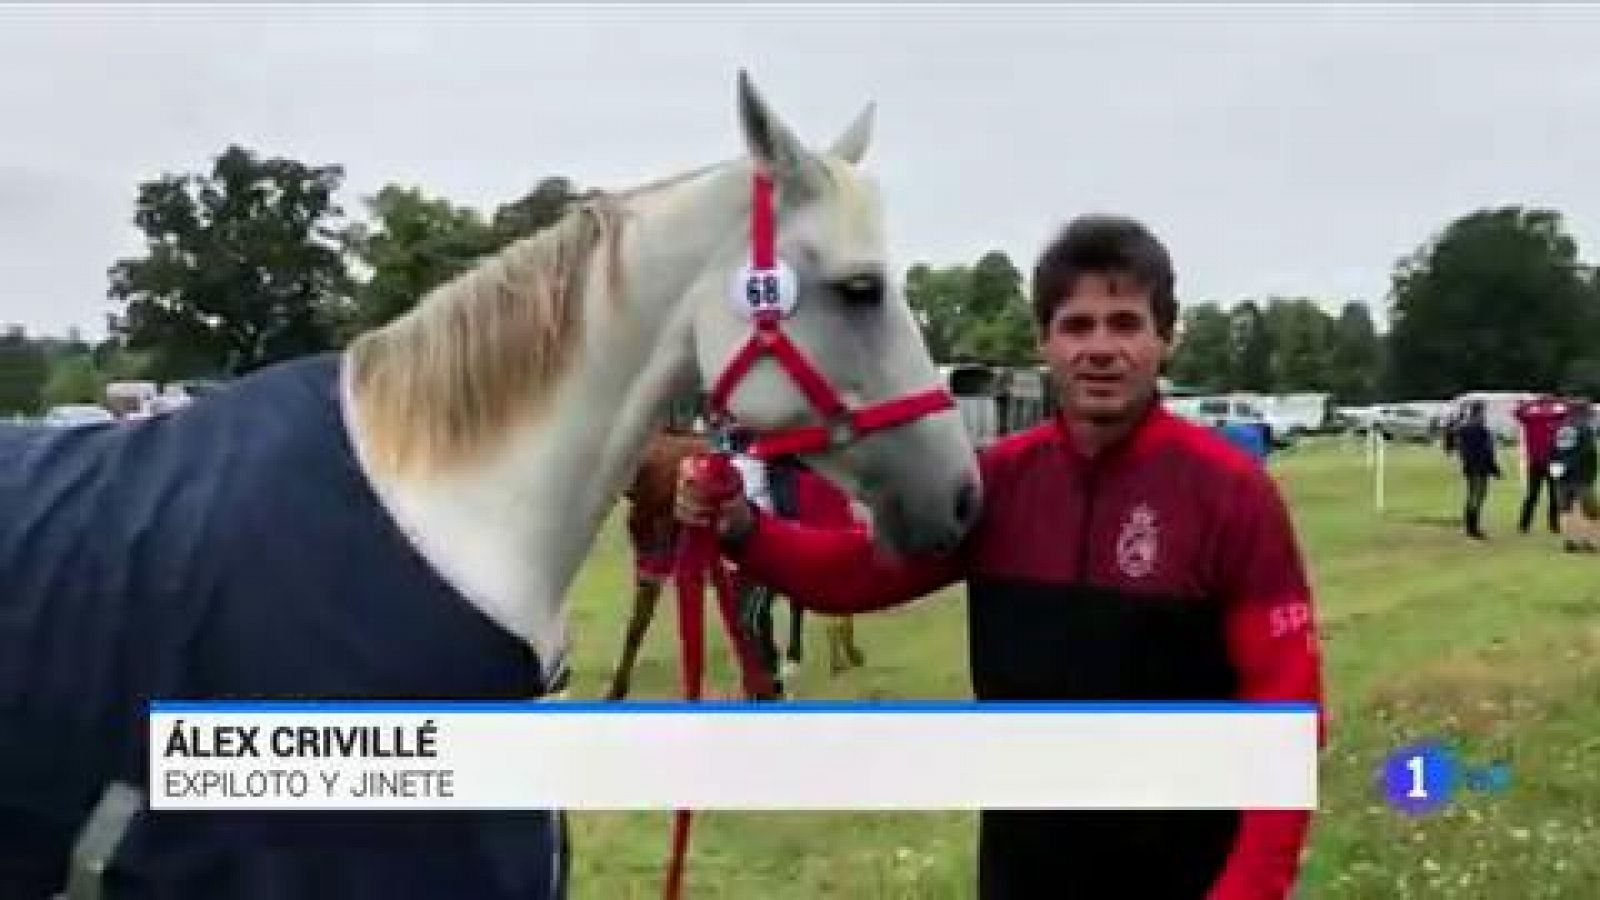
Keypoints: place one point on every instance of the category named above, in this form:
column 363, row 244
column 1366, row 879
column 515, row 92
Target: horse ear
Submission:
column 851, row 146
column 773, row 146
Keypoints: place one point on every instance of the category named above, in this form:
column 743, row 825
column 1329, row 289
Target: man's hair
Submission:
column 1105, row 245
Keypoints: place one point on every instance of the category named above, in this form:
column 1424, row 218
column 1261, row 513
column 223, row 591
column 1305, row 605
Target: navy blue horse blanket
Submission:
column 231, row 550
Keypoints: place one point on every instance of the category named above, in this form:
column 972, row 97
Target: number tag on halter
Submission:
column 764, row 291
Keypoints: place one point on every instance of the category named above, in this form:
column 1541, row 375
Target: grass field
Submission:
column 1494, row 647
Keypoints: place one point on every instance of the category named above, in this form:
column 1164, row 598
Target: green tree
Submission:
column 118, row 363
column 243, row 267
column 1356, row 364
column 993, row 287
column 974, row 313
column 1582, row 377
column 937, row 298
column 999, row 326
column 1499, row 299
column 23, row 370
column 1302, row 338
column 414, row 244
column 1203, row 356
column 74, row 379
column 536, row 210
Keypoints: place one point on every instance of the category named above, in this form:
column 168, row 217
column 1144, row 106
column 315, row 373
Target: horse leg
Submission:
column 843, row 653
column 838, row 659
column 796, row 652
column 755, row 618
column 769, row 642
column 847, row 629
column 644, row 610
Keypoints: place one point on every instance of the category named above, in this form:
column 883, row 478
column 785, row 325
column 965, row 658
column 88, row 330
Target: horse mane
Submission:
column 442, row 384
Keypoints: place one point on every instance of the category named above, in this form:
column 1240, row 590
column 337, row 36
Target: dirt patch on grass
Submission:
column 1492, row 690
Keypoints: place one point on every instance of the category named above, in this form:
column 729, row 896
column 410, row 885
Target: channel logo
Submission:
column 1424, row 778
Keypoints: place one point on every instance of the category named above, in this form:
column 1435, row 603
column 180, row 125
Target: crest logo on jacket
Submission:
column 1139, row 543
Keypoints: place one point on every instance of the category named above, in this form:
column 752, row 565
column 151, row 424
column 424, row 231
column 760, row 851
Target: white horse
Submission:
column 501, row 420
column 490, row 430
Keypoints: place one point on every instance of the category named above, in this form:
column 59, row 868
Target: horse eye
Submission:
column 860, row 290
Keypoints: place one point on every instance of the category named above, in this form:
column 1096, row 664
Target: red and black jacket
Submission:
column 1163, row 569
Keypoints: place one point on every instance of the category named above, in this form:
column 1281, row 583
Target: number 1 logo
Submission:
column 1419, row 779
column 1418, row 766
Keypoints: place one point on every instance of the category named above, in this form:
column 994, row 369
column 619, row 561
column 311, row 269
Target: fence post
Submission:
column 1378, row 454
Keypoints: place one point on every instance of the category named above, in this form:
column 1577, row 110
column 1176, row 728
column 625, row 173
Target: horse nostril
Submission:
column 966, row 503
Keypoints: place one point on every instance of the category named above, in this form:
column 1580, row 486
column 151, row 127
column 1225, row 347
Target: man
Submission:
column 1574, row 467
column 1122, row 555
column 1539, row 418
column 1475, row 445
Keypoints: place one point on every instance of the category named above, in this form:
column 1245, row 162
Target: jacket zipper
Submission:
column 1085, row 525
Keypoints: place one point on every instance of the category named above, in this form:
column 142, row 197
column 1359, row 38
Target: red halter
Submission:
column 698, row 555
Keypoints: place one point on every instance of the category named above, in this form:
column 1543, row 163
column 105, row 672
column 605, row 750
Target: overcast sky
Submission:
column 1277, row 150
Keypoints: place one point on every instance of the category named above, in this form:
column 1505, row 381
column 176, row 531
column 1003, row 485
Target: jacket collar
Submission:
column 1153, row 425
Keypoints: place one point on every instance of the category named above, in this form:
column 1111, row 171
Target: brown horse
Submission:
column 653, row 535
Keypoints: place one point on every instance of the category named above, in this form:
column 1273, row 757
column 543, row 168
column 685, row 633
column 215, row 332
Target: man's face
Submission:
column 1103, row 348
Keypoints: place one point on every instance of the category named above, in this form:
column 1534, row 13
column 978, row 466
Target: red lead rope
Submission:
column 698, row 556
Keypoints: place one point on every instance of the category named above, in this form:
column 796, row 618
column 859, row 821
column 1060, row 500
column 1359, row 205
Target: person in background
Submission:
column 754, row 598
column 1475, row 445
column 1448, row 428
column 1539, row 418
column 752, row 471
column 1573, row 466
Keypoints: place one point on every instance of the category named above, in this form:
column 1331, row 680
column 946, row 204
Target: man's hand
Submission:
column 695, row 504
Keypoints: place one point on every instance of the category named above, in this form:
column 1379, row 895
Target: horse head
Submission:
column 850, row 320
